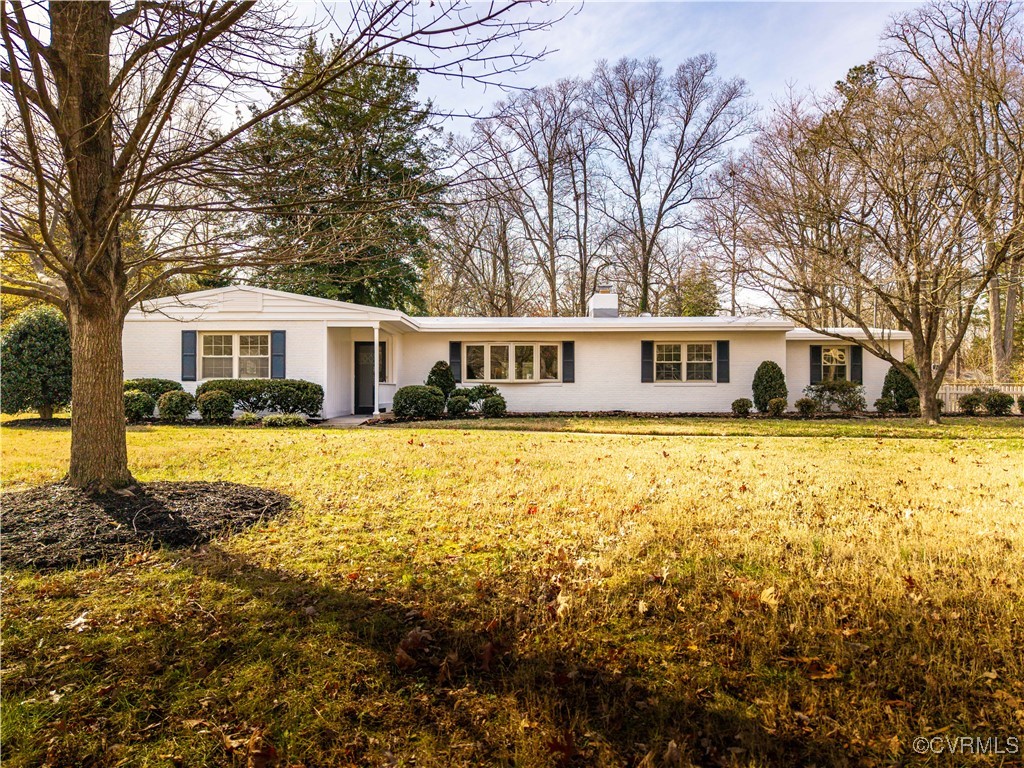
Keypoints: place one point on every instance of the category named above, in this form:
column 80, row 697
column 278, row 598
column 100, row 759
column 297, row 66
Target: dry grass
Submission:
column 591, row 599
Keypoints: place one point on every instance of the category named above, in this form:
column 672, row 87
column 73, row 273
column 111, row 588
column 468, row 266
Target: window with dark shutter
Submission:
column 188, row 355
column 568, row 362
column 647, row 362
column 455, row 359
column 722, row 353
column 277, row 362
column 815, row 363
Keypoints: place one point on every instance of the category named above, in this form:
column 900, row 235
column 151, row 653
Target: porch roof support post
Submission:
column 376, row 369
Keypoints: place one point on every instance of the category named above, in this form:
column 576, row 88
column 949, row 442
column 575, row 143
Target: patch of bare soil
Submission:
column 54, row 526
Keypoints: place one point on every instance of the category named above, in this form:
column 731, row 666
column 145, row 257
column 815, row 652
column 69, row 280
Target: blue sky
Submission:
column 771, row 45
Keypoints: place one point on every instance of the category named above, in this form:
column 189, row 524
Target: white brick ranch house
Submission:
column 603, row 362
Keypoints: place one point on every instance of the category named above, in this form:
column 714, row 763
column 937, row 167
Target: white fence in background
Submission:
column 949, row 394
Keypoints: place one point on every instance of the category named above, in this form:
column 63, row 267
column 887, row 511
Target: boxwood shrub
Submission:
column 476, row 395
column 138, row 405
column 741, row 406
column 458, row 406
column 215, row 406
column 776, row 406
column 998, row 403
column 176, row 406
column 971, row 403
column 418, row 402
column 806, row 406
column 884, row 406
column 276, row 395
column 152, row 387
column 494, row 407
column 847, row 396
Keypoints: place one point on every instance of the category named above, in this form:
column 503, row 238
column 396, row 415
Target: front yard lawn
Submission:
column 484, row 594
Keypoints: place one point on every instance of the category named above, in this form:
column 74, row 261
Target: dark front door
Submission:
column 364, row 375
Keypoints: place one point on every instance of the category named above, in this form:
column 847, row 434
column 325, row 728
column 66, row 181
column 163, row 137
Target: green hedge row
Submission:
column 278, row 395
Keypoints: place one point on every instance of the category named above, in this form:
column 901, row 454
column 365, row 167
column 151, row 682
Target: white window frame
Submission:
column 683, row 360
column 236, row 349
column 511, row 346
column 845, row 349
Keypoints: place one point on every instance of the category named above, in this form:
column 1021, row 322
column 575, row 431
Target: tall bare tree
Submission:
column 968, row 57
column 118, row 115
column 858, row 198
column 662, row 136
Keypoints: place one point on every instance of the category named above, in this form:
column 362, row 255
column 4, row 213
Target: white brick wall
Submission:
column 152, row 347
column 608, row 371
column 798, row 369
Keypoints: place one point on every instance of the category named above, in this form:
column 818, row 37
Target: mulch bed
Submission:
column 53, row 526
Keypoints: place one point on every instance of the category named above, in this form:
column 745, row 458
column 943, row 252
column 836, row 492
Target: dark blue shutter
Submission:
column 857, row 365
column 188, row 355
column 455, row 359
column 722, row 353
column 568, row 362
column 277, row 367
column 646, row 361
column 815, row 363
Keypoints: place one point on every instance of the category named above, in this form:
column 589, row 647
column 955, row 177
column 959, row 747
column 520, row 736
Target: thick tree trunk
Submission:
column 45, row 412
column 99, row 455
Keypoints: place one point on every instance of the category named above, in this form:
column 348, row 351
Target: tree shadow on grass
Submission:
column 585, row 712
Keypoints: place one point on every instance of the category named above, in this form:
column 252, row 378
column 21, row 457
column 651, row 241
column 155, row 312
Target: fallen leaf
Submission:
column 404, row 660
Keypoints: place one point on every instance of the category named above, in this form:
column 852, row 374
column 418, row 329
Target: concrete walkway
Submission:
column 344, row 422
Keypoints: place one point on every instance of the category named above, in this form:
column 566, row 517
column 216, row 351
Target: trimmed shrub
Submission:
column 152, row 387
column 806, row 406
column 418, row 402
column 494, row 407
column 971, row 403
column 458, row 406
column 35, row 363
column 769, row 384
column 998, row 403
column 215, row 406
column 476, row 395
column 741, row 406
column 914, row 406
column 898, row 388
column 176, row 406
column 885, row 406
column 441, row 376
column 247, row 419
column 138, row 405
column 284, row 420
column 846, row 396
column 279, row 395
column 1020, row 403
column 777, row 406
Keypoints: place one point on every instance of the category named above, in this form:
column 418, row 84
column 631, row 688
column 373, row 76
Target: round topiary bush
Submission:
column 998, row 403
column 971, row 403
column 216, row 406
column 441, row 376
column 898, row 388
column 35, row 363
column 458, row 406
column 776, row 406
column 741, row 406
column 769, row 384
column 806, row 406
column 884, row 406
column 138, row 405
column 418, row 402
column 176, row 406
column 494, row 407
